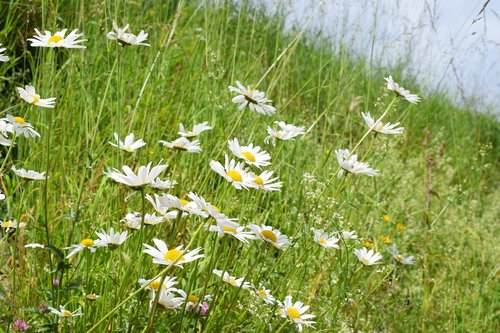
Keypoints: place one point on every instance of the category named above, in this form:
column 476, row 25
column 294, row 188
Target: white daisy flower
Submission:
column 57, row 40
column 240, row 283
column 29, row 174
column 6, row 128
column 129, row 144
column 127, row 38
column 134, row 220
column 351, row 164
column 63, row 313
column 233, row 172
column 29, row 94
column 183, row 144
column 197, row 130
column 163, row 185
column 4, row 141
column 165, row 202
column 286, row 132
column 207, row 209
column 295, row 312
column 21, row 127
column 3, row 57
column 349, row 234
column 232, row 228
column 163, row 256
column 86, row 243
column 253, row 98
column 12, row 224
column 171, row 299
column 270, row 235
column 167, row 297
column 379, row 127
column 265, row 182
column 399, row 258
column 250, row 154
column 193, row 301
column 324, row 239
column 144, row 176
column 400, row 91
column 153, row 285
column 112, row 239
column 368, row 258
column 265, row 295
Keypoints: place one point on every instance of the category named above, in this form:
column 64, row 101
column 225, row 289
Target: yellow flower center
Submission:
column 19, row 120
column 399, row 258
column 67, row 313
column 193, row 299
column 387, row 218
column 54, row 39
column 233, row 281
column 322, row 241
column 35, row 99
column 249, row 156
column 235, row 175
column 6, row 224
column 262, row 293
column 259, row 181
column 293, row 313
column 87, row 242
column 368, row 244
column 366, row 261
column 173, row 254
column 155, row 285
column 127, row 148
column 184, row 202
column 268, row 234
column 229, row 229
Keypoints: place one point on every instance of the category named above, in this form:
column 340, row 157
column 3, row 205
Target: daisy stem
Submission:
column 211, row 265
column 8, row 154
column 282, row 327
column 144, row 286
column 155, row 304
column 371, row 291
column 143, row 213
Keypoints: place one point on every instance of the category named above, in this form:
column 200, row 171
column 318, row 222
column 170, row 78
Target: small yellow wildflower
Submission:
column 400, row 227
column 385, row 239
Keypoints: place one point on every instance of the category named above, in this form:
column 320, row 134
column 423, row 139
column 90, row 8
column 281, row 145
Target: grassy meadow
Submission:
column 435, row 197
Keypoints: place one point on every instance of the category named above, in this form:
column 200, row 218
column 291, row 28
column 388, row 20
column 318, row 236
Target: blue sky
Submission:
column 443, row 47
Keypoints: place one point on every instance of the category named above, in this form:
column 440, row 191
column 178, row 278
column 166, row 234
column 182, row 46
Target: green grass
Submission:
column 453, row 285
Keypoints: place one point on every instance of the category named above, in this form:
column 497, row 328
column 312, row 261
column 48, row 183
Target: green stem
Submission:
column 8, row 154
column 155, row 305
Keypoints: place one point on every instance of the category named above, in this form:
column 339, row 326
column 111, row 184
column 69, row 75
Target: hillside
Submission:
column 435, row 195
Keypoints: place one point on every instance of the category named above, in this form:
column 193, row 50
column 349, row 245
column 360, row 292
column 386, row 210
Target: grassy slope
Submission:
column 452, row 286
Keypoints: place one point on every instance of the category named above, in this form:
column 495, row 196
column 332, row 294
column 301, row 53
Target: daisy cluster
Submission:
column 246, row 166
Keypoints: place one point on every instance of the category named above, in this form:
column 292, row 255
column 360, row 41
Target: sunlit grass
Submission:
column 434, row 197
